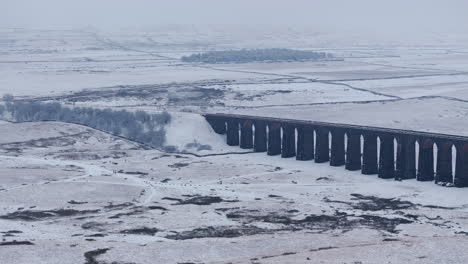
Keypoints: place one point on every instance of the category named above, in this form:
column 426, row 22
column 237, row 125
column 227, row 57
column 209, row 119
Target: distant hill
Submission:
column 256, row 55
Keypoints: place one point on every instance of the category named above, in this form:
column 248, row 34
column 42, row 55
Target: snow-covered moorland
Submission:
column 73, row 194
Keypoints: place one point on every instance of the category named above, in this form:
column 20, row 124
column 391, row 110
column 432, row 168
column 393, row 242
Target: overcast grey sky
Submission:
column 415, row 15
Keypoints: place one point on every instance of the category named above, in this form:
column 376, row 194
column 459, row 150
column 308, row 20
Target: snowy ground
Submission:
column 142, row 70
column 70, row 194
column 146, row 206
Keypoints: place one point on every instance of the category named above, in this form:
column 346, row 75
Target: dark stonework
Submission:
column 337, row 155
column 218, row 124
column 353, row 151
column 232, row 132
column 288, row 142
column 444, row 162
column 246, row 139
column 260, row 139
column 278, row 137
column 322, row 151
column 369, row 155
column 461, row 168
column 425, row 160
column 406, row 158
column 387, row 159
column 305, row 143
column 274, row 139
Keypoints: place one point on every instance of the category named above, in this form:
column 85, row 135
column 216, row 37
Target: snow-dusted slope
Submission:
column 188, row 132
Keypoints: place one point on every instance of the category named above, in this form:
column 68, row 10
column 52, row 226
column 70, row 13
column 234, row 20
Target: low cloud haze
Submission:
column 429, row 16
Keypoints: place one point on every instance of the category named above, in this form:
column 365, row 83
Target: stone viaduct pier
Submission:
column 368, row 149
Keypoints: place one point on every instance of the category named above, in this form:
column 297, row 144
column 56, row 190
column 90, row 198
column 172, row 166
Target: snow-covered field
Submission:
column 71, row 194
column 145, row 206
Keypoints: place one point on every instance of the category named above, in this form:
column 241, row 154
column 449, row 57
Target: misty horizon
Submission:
column 427, row 17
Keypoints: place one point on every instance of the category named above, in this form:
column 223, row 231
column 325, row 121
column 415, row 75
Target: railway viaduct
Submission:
column 341, row 144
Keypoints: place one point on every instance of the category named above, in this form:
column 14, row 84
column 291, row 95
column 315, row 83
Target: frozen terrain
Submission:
column 71, row 194
column 88, row 191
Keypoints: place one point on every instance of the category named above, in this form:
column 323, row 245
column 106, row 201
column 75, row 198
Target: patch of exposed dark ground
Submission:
column 15, row 148
column 219, row 231
column 112, row 206
column 274, row 256
column 80, row 155
column 321, row 249
column 96, row 235
column 243, row 97
column 131, row 208
column 287, row 221
column 76, row 202
column 95, row 226
column 36, row 215
column 175, row 93
column 12, row 232
column 373, row 203
column 61, row 141
column 133, row 172
column 178, row 165
column 129, row 213
column 91, row 257
column 199, row 200
column 141, row 231
column 320, row 223
column 201, row 93
column 394, row 206
column 156, row 207
column 16, row 243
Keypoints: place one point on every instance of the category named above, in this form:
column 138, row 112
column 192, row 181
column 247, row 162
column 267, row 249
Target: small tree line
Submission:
column 138, row 126
column 256, row 55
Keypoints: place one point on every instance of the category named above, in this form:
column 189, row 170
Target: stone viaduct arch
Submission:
column 388, row 153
